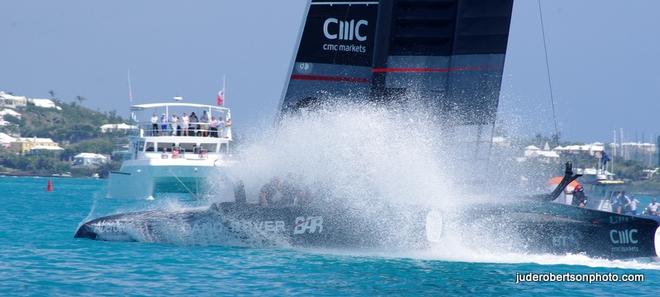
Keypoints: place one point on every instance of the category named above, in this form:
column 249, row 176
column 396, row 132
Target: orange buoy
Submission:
column 49, row 186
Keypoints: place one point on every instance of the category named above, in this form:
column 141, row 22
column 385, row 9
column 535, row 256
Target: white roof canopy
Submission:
column 176, row 104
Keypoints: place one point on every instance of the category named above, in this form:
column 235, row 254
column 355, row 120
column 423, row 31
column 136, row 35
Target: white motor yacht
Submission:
column 168, row 157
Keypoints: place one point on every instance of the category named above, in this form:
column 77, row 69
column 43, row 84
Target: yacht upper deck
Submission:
column 169, row 132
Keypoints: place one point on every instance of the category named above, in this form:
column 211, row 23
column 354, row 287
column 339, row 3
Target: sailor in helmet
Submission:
column 579, row 198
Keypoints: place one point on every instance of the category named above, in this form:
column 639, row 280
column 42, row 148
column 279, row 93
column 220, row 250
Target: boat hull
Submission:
column 148, row 181
column 525, row 226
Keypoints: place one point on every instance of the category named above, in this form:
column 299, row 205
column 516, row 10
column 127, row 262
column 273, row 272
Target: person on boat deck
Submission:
column 194, row 124
column 277, row 193
column 175, row 124
column 213, row 127
column 224, row 123
column 185, row 121
column 615, row 202
column 163, row 124
column 622, row 200
column 221, row 127
column 631, row 206
column 281, row 193
column 204, row 123
column 652, row 208
column 154, row 125
column 239, row 193
column 269, row 191
column 579, row 198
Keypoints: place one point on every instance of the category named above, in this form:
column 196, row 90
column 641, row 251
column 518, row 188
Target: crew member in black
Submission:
column 277, row 193
column 579, row 198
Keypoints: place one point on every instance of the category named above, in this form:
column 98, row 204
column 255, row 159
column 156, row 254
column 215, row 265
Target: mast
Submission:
column 130, row 95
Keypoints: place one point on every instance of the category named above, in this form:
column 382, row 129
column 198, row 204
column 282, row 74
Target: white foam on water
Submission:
column 360, row 152
column 472, row 255
column 371, row 153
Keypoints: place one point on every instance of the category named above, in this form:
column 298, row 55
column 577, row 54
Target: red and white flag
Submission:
column 221, row 97
column 221, row 94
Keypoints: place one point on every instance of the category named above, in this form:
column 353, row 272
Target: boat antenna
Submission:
column 547, row 67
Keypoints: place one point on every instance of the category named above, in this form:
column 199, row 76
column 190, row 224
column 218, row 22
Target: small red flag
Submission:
column 221, row 97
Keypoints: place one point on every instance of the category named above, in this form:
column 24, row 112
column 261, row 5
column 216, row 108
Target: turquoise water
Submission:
column 39, row 257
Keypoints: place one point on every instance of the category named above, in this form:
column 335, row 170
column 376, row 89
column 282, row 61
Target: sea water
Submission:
column 40, row 257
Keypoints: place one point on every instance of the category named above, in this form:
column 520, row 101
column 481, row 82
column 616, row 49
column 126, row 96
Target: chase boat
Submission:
column 166, row 158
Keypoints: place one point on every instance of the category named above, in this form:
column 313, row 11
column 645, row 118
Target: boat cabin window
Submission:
column 139, row 145
column 188, row 147
column 165, row 146
column 210, row 147
column 149, row 147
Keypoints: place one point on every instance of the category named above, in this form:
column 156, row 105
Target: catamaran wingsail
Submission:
column 446, row 56
column 449, row 53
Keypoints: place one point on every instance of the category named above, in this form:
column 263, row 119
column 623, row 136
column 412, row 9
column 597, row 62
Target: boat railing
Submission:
column 199, row 129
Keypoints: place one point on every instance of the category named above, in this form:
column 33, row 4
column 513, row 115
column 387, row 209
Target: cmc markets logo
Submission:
column 334, row 28
column 626, row 236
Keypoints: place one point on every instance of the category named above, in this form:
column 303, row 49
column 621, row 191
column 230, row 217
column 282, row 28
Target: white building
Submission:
column 89, row 159
column 34, row 145
column 117, row 128
column 44, row 103
column 10, row 112
column 544, row 155
column 6, row 140
column 640, row 151
column 575, row 149
column 9, row 100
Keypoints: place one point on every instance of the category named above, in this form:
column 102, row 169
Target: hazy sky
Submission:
column 604, row 58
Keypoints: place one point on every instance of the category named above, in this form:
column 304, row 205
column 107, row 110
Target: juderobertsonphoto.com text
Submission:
column 594, row 277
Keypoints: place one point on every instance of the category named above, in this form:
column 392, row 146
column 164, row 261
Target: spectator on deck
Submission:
column 185, row 121
column 204, row 123
column 652, row 208
column 194, row 124
column 213, row 127
column 175, row 124
column 154, row 124
column 223, row 127
column 164, row 123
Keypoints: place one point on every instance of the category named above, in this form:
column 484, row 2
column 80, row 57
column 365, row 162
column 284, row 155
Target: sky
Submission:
column 603, row 57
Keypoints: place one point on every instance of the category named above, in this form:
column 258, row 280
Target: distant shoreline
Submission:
column 27, row 174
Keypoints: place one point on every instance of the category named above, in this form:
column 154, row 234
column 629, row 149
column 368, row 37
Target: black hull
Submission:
column 560, row 229
column 527, row 226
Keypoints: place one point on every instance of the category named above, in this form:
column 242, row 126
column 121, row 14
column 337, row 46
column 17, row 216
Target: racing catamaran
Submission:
column 534, row 223
column 449, row 56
